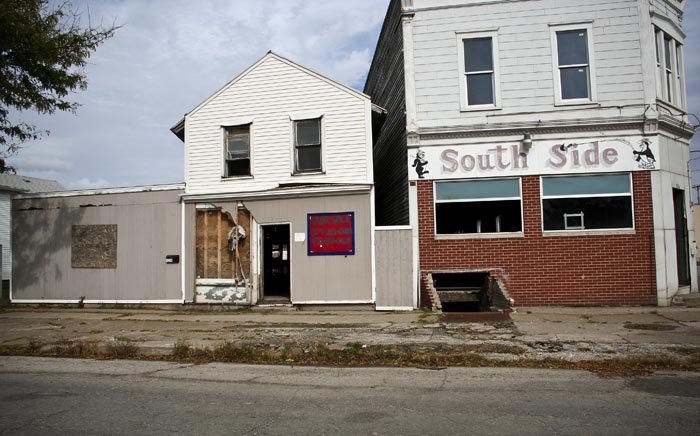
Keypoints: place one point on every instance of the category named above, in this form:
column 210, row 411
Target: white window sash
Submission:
column 556, row 67
column 495, row 78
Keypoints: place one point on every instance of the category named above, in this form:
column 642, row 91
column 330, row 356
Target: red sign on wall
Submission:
column 331, row 233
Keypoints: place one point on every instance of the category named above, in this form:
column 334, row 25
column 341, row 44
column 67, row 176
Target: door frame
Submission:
column 261, row 258
column 680, row 218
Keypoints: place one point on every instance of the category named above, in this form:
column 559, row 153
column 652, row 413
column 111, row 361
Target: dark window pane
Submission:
column 598, row 213
column 479, row 89
column 237, row 145
column 478, row 55
column 238, row 167
column 309, row 132
column 473, row 189
column 574, row 83
column 309, row 158
column 668, row 49
column 478, row 217
column 572, row 47
column 586, row 185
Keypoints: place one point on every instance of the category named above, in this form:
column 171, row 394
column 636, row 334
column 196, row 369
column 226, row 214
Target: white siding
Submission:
column 5, row 225
column 525, row 58
column 268, row 94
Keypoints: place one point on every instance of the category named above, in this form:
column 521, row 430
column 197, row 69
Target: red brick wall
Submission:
column 556, row 270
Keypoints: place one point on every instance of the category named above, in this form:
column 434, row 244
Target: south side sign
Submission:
column 633, row 153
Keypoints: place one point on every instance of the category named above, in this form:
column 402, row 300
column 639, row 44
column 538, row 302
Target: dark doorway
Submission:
column 276, row 255
column 462, row 292
column 681, row 222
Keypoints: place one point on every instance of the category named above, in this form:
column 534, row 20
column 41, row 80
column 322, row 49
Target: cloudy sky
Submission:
column 172, row 54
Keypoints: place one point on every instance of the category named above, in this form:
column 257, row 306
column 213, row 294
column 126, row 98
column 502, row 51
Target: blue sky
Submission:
column 172, row 54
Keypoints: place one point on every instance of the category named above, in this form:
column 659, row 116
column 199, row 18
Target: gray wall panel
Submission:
column 394, row 268
column 324, row 278
column 148, row 229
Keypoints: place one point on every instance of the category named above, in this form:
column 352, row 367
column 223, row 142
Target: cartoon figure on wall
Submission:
column 644, row 156
column 419, row 164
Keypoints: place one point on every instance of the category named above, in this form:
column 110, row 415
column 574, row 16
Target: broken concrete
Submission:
column 532, row 333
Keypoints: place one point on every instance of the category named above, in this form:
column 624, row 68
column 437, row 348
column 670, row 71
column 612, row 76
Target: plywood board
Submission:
column 94, row 246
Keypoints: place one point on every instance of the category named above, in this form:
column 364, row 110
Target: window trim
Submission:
column 224, row 134
column 438, row 236
column 463, row 100
column 587, row 232
column 674, row 93
column 294, row 119
column 593, row 94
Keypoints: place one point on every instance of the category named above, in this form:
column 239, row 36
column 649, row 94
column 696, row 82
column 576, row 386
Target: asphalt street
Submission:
column 42, row 396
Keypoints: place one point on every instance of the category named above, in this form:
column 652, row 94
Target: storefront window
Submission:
column 478, row 206
column 590, row 202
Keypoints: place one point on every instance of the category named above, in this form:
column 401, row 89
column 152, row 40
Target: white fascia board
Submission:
column 389, row 228
column 301, row 192
column 334, row 302
column 394, row 308
column 104, row 191
column 41, row 301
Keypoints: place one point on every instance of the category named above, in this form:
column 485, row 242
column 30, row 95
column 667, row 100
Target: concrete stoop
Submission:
column 687, row 300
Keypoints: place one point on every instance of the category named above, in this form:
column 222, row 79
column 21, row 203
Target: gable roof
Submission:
column 179, row 128
column 17, row 183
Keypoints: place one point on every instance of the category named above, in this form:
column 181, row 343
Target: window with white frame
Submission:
column 478, row 206
column 308, row 146
column 587, row 202
column 479, row 81
column 237, row 151
column 669, row 66
column 573, row 63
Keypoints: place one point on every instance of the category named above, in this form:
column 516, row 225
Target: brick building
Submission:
column 546, row 145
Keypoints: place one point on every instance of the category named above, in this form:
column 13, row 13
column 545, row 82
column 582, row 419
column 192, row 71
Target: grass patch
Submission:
column 687, row 351
column 96, row 332
column 359, row 355
column 120, row 349
column 429, row 317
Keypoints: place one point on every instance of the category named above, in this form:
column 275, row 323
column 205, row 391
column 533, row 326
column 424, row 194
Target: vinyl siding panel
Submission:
column 525, row 56
column 5, row 224
column 268, row 94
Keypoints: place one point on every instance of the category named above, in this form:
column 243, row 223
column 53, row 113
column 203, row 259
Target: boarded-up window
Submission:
column 218, row 241
column 94, row 246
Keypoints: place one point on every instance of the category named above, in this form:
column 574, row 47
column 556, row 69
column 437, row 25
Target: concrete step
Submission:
column 461, row 296
column 687, row 300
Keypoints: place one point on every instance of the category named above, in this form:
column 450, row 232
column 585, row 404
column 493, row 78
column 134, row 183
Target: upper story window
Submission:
column 237, row 151
column 478, row 63
column 573, row 64
column 307, row 146
column 669, row 69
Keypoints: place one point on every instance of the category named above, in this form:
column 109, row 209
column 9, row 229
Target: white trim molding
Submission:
column 590, row 49
column 463, row 89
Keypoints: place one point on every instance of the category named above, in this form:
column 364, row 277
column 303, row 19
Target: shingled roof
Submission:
column 24, row 184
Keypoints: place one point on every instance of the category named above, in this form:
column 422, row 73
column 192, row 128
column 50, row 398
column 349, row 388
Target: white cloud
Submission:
column 169, row 56
column 85, row 183
column 34, row 164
